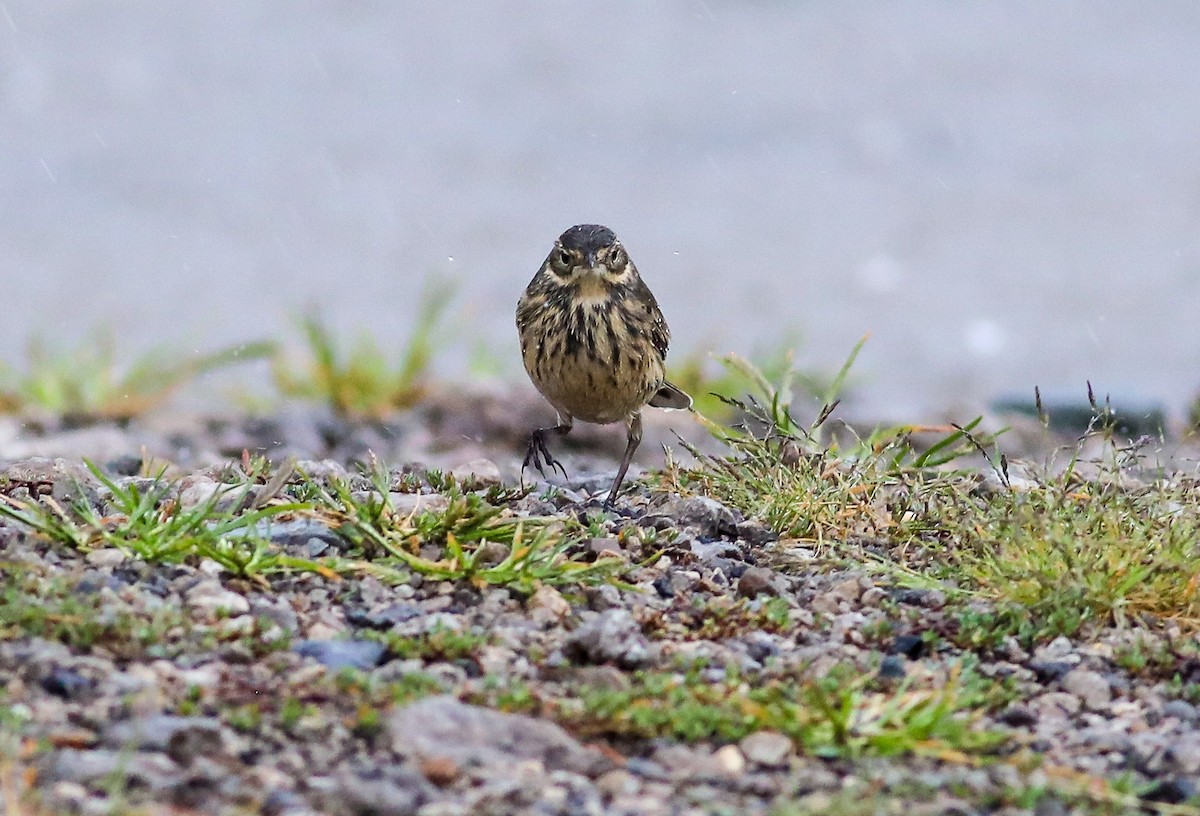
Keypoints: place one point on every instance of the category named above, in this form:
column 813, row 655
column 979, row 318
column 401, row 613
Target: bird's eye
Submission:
column 616, row 257
column 564, row 259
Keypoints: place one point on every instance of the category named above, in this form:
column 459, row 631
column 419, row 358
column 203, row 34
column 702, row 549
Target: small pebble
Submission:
column 892, row 667
column 757, row 581
column 910, row 646
column 342, row 654
column 767, row 748
column 730, row 760
column 106, row 557
column 1090, row 687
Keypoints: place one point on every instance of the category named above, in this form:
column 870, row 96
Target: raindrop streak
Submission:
column 49, row 172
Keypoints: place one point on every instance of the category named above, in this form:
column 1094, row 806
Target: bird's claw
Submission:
column 538, row 454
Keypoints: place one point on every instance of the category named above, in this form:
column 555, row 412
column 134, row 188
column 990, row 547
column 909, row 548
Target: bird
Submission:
column 594, row 343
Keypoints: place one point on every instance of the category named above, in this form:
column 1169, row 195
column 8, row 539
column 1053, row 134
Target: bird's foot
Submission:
column 538, row 454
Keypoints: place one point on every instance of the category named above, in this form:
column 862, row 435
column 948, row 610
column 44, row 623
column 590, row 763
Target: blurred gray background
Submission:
column 1003, row 195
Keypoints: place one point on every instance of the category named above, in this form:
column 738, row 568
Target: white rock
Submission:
column 768, row 748
column 199, row 492
column 235, row 627
column 1090, row 687
column 481, row 471
column 730, row 760
column 210, row 598
column 201, row 677
column 406, row 504
column 323, row 631
column 547, row 604
column 106, row 557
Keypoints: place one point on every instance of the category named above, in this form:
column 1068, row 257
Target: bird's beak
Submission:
column 590, row 260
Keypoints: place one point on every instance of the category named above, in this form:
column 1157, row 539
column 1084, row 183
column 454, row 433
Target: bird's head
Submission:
column 589, row 254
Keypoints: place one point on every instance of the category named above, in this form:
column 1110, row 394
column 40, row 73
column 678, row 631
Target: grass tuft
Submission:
column 88, row 384
column 1097, row 551
column 829, row 717
column 361, row 382
column 470, row 539
column 152, row 525
column 1089, row 544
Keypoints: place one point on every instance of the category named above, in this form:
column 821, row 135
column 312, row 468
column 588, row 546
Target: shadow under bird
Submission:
column 594, row 343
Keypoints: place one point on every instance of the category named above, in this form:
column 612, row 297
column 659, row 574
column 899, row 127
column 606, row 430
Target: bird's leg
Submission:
column 538, row 454
column 633, row 427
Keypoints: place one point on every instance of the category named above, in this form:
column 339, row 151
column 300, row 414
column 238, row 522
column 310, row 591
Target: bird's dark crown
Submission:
column 587, row 238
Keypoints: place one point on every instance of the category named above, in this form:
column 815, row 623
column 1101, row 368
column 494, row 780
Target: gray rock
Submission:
column 397, row 793
column 276, row 610
column 106, row 557
column 892, row 667
column 708, row 551
column 610, row 637
column 1183, row 754
column 755, row 532
column 1090, row 687
column 405, row 504
column 155, row 733
column 767, row 748
column 491, row 553
column 182, row 738
column 1180, row 709
column 154, row 772
column 1106, row 736
column 342, row 654
column 605, row 547
column 1018, row 716
column 675, row 582
column 547, row 605
column 1147, row 753
column 282, row 802
column 66, row 683
column 46, row 472
column 706, row 516
column 384, row 617
column 602, row 597
column 1173, row 791
column 322, row 470
column 209, row 598
column 444, row 727
column 1047, row 671
column 481, row 472
column 289, row 430
column 308, row 538
column 1051, row 806
column 757, row 581
column 1060, row 648
column 197, row 491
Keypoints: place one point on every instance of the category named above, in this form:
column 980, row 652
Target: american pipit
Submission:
column 593, row 341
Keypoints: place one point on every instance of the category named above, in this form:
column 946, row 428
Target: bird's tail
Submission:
column 670, row 396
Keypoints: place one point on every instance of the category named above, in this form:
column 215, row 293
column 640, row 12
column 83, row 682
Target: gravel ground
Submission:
column 177, row 688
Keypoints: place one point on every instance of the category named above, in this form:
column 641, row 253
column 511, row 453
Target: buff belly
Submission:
column 592, row 390
column 585, row 357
